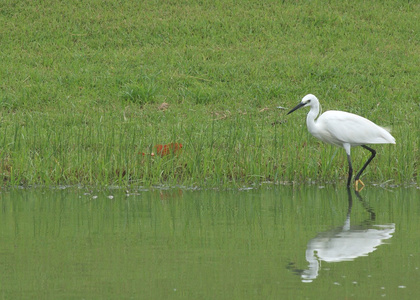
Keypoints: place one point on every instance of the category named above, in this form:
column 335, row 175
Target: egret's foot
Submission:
column 356, row 185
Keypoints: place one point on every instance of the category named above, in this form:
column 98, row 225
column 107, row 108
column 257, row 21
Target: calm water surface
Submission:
column 280, row 243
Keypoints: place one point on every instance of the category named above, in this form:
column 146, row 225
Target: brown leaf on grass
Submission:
column 221, row 115
column 164, row 106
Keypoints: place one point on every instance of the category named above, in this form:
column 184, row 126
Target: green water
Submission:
column 280, row 243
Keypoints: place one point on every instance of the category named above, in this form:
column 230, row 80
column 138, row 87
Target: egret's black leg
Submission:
column 366, row 164
column 350, row 170
column 350, row 198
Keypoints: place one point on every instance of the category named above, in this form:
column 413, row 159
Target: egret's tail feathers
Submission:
column 387, row 135
column 387, row 128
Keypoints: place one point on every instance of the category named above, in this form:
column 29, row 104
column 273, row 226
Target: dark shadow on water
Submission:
column 344, row 243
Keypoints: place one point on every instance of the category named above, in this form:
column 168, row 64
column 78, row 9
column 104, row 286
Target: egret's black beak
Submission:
column 297, row 107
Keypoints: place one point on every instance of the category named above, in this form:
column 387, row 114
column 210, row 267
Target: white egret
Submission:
column 345, row 130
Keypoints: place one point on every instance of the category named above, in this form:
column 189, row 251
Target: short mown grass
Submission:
column 82, row 84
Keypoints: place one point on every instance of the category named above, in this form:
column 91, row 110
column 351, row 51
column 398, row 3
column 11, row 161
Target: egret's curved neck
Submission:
column 312, row 114
column 313, row 268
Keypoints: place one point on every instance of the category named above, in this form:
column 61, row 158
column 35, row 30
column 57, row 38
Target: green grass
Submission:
column 81, row 83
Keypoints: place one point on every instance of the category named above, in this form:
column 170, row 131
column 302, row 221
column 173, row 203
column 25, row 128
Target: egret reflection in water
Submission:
column 345, row 243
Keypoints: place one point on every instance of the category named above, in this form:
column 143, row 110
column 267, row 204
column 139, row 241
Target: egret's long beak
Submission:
column 297, row 107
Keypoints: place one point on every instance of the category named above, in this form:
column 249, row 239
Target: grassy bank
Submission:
column 82, row 83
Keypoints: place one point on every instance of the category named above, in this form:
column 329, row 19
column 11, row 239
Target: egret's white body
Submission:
column 344, row 129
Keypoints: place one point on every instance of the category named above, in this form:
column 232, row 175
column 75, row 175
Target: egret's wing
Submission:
column 353, row 129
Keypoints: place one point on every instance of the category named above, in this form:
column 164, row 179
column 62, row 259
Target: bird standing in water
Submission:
column 345, row 130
